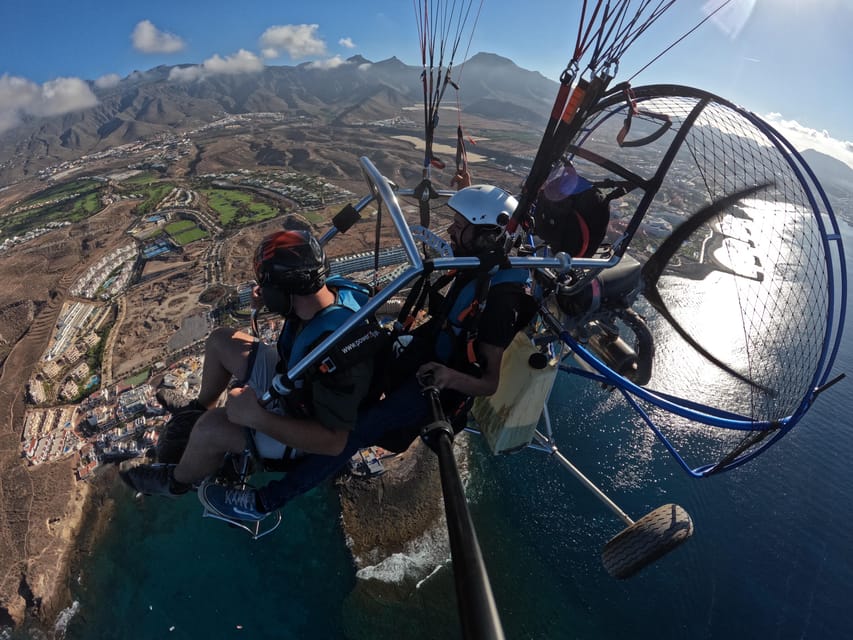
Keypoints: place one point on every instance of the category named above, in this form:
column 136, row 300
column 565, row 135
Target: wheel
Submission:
column 649, row 538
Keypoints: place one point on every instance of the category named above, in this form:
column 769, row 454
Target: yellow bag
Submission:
column 508, row 418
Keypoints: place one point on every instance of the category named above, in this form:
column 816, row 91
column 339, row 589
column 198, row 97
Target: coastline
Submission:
column 396, row 532
column 382, row 514
column 94, row 522
column 43, row 579
column 50, row 575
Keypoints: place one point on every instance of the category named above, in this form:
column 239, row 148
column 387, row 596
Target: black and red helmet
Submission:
column 292, row 262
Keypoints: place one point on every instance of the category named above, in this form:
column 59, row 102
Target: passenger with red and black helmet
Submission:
column 481, row 213
column 289, row 263
column 328, row 439
column 292, row 274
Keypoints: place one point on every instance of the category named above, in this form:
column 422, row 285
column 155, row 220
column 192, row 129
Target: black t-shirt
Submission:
column 500, row 320
column 504, row 314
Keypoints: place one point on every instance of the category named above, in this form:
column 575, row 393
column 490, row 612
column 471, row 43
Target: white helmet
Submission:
column 483, row 204
column 487, row 209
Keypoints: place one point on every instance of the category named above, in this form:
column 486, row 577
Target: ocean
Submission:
column 770, row 556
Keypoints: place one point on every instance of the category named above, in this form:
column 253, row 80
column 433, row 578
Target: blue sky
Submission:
column 786, row 60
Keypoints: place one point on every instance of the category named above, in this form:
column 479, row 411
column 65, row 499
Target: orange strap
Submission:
column 472, row 356
column 467, row 311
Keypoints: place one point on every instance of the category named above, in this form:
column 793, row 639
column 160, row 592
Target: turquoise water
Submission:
column 769, row 557
column 163, row 571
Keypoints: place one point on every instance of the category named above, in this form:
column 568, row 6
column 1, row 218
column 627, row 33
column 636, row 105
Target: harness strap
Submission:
column 424, row 192
column 462, row 178
column 472, row 321
column 584, row 232
column 415, row 300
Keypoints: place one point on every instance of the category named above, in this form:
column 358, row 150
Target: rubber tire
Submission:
column 649, row 538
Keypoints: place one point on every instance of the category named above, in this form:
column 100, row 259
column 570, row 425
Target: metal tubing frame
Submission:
column 256, row 530
column 382, row 192
column 831, row 238
column 547, row 445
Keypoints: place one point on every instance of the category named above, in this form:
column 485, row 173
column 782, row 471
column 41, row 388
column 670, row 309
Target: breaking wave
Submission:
column 421, row 558
column 64, row 618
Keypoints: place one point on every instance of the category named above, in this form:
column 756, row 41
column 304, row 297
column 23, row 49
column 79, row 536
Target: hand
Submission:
column 242, row 406
column 433, row 374
column 461, row 180
column 257, row 298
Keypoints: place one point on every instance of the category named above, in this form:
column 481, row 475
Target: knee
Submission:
column 218, row 338
column 338, row 442
column 214, row 431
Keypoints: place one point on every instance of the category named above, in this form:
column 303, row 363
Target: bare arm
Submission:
column 444, row 377
column 304, row 434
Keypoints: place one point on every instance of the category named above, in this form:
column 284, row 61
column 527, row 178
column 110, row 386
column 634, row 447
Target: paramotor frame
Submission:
column 731, row 150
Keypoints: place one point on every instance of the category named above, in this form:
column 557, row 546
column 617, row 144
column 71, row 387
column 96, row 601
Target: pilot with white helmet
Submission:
column 485, row 308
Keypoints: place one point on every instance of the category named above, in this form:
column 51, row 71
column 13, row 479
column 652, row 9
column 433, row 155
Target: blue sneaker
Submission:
column 231, row 503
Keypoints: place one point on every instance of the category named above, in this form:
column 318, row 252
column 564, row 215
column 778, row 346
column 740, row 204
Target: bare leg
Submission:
column 212, row 437
column 226, row 354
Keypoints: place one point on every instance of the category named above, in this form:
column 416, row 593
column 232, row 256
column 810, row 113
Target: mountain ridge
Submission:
column 148, row 103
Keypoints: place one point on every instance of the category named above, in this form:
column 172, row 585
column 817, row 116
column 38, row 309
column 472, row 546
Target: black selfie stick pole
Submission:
column 477, row 609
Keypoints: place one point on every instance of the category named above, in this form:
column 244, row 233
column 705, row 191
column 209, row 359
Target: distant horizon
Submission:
column 743, row 54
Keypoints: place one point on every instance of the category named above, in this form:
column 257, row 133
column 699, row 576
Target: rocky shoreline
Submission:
column 382, row 514
column 36, row 587
column 397, row 534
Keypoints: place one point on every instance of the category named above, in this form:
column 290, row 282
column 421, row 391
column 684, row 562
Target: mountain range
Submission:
column 835, row 176
column 174, row 99
column 148, row 103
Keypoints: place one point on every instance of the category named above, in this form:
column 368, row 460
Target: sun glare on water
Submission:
column 754, row 311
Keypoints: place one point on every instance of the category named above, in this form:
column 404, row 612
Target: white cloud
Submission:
column 20, row 97
column 186, row 74
column 64, row 95
column 364, row 66
column 297, row 40
column 149, row 39
column 803, row 137
column 8, row 120
column 330, row 63
column 241, row 62
column 347, row 42
column 16, row 93
column 108, row 81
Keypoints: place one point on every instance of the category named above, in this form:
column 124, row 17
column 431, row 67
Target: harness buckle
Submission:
column 327, row 365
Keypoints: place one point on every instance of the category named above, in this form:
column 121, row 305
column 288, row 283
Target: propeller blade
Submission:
column 660, row 258
column 655, row 265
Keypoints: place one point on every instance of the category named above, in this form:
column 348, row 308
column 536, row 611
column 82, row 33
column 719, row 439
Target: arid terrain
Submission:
column 43, row 506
